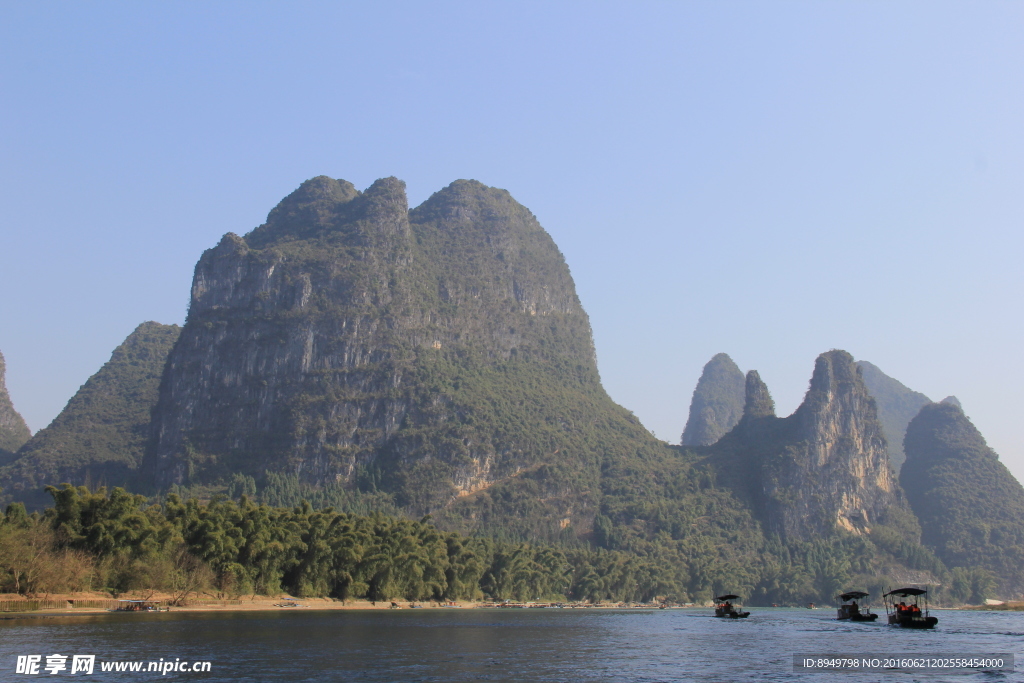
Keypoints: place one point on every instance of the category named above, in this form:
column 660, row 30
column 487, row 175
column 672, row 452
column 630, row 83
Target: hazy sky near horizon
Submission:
column 772, row 180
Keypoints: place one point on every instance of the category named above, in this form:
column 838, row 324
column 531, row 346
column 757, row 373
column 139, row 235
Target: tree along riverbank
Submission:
column 116, row 544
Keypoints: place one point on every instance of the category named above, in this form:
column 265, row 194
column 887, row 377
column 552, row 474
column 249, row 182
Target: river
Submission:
column 499, row 645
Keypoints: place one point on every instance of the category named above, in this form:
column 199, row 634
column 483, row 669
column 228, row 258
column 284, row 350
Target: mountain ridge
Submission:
column 100, row 435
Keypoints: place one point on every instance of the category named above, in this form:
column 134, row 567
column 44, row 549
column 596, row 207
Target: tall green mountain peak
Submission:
column 431, row 353
column 717, row 403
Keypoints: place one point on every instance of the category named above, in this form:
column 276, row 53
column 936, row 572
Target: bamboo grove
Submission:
column 116, row 542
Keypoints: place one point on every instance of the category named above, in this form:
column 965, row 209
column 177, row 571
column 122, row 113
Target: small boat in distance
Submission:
column 139, row 606
column 849, row 609
column 908, row 615
column 725, row 608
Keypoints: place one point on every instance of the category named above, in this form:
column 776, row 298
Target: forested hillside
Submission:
column 100, row 436
column 971, row 508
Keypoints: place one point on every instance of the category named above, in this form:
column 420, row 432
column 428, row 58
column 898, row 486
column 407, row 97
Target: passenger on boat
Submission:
column 727, row 606
column 854, row 608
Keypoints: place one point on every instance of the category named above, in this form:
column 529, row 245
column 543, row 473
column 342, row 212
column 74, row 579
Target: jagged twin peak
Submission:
column 826, row 466
column 717, row 403
column 349, row 339
column 13, row 430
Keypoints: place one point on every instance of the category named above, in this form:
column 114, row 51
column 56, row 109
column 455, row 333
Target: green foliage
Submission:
column 970, row 507
column 100, row 436
column 114, row 541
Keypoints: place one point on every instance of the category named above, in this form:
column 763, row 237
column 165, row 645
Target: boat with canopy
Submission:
column 724, row 607
column 849, row 609
column 907, row 613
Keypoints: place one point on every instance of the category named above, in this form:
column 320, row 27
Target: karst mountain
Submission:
column 355, row 352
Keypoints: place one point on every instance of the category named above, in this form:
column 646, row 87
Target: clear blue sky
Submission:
column 767, row 179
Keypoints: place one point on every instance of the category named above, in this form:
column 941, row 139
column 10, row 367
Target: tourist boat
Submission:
column 850, row 610
column 139, row 606
column 724, row 607
column 908, row 616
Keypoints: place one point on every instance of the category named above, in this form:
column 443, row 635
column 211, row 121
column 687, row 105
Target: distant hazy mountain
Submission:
column 717, row 403
column 99, row 437
column 970, row 507
column 897, row 406
column 13, row 430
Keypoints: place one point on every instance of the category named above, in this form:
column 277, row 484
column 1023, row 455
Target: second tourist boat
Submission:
column 724, row 607
column 850, row 610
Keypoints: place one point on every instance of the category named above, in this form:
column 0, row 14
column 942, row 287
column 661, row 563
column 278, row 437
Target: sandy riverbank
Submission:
column 93, row 603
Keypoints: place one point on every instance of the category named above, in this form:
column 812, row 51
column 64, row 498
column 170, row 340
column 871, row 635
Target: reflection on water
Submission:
column 512, row 645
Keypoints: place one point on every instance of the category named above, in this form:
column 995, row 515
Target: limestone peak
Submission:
column 717, row 403
column 758, row 402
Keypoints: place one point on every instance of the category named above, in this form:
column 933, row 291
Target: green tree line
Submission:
column 114, row 541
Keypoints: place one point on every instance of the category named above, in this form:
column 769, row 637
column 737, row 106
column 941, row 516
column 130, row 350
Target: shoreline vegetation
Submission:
column 113, row 545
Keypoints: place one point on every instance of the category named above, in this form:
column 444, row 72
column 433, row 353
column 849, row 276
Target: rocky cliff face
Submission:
column 100, row 436
column 351, row 340
column 717, row 403
column 896, row 404
column 970, row 506
column 825, row 467
column 13, row 430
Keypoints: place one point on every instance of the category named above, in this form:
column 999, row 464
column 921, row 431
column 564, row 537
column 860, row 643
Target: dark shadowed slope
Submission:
column 897, row 405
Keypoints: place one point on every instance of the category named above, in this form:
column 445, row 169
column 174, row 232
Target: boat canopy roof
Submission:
column 903, row 592
column 727, row 597
column 853, row 595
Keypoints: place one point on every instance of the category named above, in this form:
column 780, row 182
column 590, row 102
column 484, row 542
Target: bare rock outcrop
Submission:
column 824, row 467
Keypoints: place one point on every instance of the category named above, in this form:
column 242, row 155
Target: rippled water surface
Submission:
column 503, row 645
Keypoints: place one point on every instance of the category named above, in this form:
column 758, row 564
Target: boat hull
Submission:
column 731, row 615
column 912, row 622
